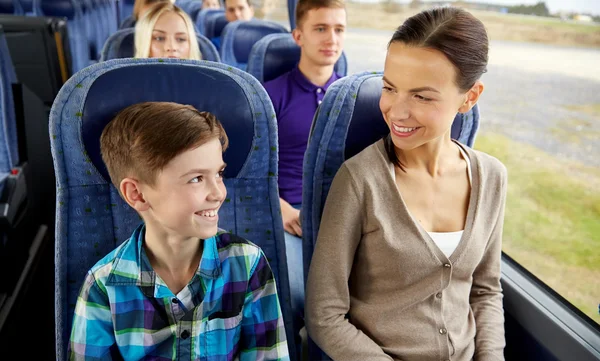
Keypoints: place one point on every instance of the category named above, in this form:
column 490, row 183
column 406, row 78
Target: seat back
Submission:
column 92, row 219
column 30, row 8
column 192, row 8
column 214, row 25
column 9, row 147
column 126, row 8
column 277, row 54
column 128, row 22
column 121, row 45
column 93, row 28
column 347, row 121
column 239, row 37
column 78, row 39
column 204, row 17
column 11, row 7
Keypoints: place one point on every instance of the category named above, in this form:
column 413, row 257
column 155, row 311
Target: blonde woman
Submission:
column 166, row 31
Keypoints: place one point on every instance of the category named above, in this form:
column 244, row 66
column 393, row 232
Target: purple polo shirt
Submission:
column 295, row 100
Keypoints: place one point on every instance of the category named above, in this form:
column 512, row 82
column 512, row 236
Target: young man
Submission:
column 320, row 32
column 235, row 10
column 178, row 288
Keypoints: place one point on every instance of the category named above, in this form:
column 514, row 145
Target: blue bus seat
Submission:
column 128, row 22
column 126, row 8
column 30, row 8
column 239, row 37
column 347, row 121
column 93, row 28
column 192, row 8
column 203, row 16
column 11, row 7
column 91, row 217
column 214, row 25
column 121, row 45
column 78, row 39
column 277, row 54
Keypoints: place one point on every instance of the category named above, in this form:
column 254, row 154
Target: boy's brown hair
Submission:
column 143, row 138
column 304, row 6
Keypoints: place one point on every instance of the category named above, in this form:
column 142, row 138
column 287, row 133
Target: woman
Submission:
column 407, row 261
column 166, row 31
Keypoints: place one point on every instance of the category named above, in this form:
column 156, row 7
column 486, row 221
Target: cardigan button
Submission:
column 447, row 265
column 438, row 295
column 443, row 331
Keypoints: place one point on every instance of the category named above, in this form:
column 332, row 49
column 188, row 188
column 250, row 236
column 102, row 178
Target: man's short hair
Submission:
column 304, row 6
column 143, row 138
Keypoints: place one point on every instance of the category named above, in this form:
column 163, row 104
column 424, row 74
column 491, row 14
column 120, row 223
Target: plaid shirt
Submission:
column 228, row 311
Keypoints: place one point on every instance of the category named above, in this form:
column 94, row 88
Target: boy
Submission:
column 320, row 33
column 178, row 288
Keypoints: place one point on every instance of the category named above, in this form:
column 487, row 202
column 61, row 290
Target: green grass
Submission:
column 552, row 221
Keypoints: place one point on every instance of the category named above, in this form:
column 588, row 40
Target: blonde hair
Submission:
column 145, row 26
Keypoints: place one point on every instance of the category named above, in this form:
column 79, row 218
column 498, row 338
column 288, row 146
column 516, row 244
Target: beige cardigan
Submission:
column 380, row 289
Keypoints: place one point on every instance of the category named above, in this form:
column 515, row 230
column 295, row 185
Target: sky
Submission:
column 582, row 6
column 579, row 6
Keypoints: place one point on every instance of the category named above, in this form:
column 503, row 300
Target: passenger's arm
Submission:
column 291, row 218
column 327, row 292
column 92, row 335
column 263, row 332
column 486, row 294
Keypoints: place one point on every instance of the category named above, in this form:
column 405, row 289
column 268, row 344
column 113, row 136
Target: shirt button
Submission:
column 438, row 295
column 447, row 265
column 185, row 334
column 443, row 331
column 320, row 101
column 319, row 90
column 174, row 300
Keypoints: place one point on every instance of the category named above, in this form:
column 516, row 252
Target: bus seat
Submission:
column 277, row 54
column 9, row 77
column 121, row 45
column 128, row 22
column 91, row 217
column 239, row 36
column 192, row 8
column 347, row 121
column 78, row 40
column 111, row 15
column 11, row 7
column 203, row 16
column 30, row 8
column 214, row 25
column 93, row 28
column 13, row 188
column 126, row 8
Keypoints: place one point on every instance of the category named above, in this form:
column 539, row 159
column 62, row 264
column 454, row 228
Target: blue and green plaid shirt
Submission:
column 228, row 311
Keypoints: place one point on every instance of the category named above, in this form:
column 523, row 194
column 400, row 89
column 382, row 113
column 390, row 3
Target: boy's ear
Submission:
column 132, row 193
column 297, row 36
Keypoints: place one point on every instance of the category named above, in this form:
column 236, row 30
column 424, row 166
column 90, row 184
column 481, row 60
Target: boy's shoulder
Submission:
column 227, row 240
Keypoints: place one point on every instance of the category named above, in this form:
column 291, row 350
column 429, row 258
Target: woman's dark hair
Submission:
column 454, row 32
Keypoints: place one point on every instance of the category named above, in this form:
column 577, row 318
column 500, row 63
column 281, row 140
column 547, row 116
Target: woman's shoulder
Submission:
column 491, row 167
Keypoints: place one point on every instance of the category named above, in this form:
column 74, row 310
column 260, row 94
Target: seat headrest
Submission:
column 7, row 7
column 368, row 126
column 27, row 5
column 277, row 54
column 207, row 86
column 215, row 25
column 60, row 8
column 244, row 34
column 122, row 44
column 205, row 17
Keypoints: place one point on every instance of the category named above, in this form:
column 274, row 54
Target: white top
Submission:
column 448, row 241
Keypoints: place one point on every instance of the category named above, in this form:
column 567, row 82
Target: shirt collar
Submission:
column 305, row 84
column 131, row 265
